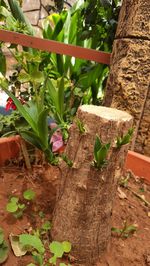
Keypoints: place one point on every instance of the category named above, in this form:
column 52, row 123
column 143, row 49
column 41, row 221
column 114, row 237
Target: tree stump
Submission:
column 84, row 204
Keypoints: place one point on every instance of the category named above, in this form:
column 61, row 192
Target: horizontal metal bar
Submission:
column 55, row 47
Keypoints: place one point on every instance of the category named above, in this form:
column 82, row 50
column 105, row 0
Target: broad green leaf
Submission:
column 11, row 207
column 37, row 77
column 66, row 246
column 57, row 249
column 14, row 199
column 29, row 194
column 33, row 241
column 24, row 77
column 32, row 138
column 88, row 78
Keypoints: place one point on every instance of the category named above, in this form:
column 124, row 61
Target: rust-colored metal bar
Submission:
column 55, row 47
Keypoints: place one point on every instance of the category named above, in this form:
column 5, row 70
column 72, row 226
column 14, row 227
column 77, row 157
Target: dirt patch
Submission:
column 133, row 250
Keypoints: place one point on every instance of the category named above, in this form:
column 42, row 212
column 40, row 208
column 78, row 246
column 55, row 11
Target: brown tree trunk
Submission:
column 129, row 79
column 84, row 204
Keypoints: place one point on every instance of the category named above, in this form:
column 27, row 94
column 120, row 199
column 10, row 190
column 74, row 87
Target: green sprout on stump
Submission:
column 80, row 126
column 100, row 153
column 125, row 139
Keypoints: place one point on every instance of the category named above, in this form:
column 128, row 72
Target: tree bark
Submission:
column 84, row 204
column 129, row 80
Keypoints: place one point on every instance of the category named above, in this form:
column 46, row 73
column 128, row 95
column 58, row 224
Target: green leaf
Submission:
column 66, row 246
column 1, row 235
column 11, row 207
column 32, row 138
column 2, row 63
column 4, row 250
column 24, row 77
column 61, row 97
column 46, row 226
column 33, row 241
column 57, row 249
column 116, row 230
column 22, row 110
column 97, row 146
column 31, row 264
column 53, row 260
column 29, row 194
column 43, row 127
column 37, row 77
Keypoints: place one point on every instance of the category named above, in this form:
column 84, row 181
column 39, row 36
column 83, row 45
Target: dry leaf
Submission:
column 121, row 194
column 16, row 247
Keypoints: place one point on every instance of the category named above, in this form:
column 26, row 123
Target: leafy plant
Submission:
column 126, row 231
column 58, row 249
column 15, row 207
column 67, row 160
column 125, row 139
column 100, row 153
column 80, row 126
column 29, row 194
column 3, row 247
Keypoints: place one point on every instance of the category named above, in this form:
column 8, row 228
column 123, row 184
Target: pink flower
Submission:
column 56, row 139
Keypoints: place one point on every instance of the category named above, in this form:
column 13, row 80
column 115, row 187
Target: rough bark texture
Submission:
column 134, row 19
column 142, row 144
column 129, row 80
column 84, row 204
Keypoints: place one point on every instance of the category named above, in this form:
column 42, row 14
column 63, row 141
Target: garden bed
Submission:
column 133, row 250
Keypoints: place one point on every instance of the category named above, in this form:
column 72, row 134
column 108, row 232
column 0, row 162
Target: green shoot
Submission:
column 66, row 160
column 126, row 231
column 100, row 153
column 125, row 139
column 80, row 126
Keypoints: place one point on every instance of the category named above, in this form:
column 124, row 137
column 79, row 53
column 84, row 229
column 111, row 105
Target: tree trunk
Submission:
column 129, row 79
column 84, row 204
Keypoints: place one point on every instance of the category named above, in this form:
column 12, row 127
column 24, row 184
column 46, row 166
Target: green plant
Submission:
column 58, row 249
column 80, row 126
column 67, row 160
column 126, row 231
column 29, row 194
column 15, row 207
column 100, row 153
column 125, row 139
column 3, row 247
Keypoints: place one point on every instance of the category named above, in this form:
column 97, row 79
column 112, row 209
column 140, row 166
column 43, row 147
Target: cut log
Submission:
column 84, row 203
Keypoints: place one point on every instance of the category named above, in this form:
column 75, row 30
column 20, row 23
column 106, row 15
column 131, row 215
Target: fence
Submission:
column 55, row 47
